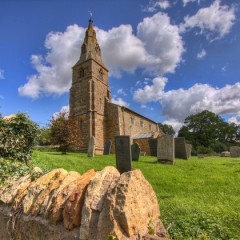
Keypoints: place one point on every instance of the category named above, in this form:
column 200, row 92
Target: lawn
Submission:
column 198, row 198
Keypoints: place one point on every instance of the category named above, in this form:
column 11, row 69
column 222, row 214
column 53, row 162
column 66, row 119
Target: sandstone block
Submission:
column 94, row 199
column 73, row 208
column 49, row 202
column 7, row 196
column 129, row 207
column 45, row 193
column 55, row 210
column 36, row 187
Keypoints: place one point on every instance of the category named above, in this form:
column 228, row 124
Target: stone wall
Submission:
column 144, row 145
column 123, row 121
column 63, row 205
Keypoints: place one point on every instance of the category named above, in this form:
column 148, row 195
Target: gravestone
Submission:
column 235, row 151
column 153, row 146
column 107, row 147
column 225, row 154
column 135, row 151
column 91, row 147
column 189, row 150
column 165, row 149
column 180, row 148
column 123, row 154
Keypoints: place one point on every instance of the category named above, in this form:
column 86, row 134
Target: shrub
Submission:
column 204, row 150
column 17, row 137
column 219, row 147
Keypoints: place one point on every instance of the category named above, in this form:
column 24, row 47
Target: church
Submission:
column 90, row 104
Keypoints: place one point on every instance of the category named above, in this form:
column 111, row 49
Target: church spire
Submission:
column 90, row 48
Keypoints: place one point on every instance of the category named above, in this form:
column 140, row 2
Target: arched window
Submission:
column 132, row 120
column 81, row 124
column 100, row 74
column 97, row 49
column 83, row 48
column 81, row 73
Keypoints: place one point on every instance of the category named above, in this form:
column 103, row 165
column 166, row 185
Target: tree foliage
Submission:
column 17, row 137
column 167, row 129
column 63, row 132
column 208, row 130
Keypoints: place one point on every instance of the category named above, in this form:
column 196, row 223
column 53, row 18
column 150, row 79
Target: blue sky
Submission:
column 167, row 59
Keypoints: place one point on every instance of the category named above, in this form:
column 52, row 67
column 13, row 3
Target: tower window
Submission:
column 83, row 48
column 97, row 48
column 81, row 124
column 81, row 73
column 150, row 127
column 132, row 120
column 100, row 102
column 100, row 74
column 141, row 123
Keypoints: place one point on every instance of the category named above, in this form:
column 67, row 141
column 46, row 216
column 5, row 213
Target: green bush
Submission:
column 17, row 137
column 219, row 147
column 204, row 150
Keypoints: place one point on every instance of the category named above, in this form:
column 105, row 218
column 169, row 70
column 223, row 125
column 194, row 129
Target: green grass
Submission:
column 198, row 198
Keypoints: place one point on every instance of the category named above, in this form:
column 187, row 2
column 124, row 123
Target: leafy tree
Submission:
column 63, row 132
column 206, row 128
column 17, row 137
column 44, row 136
column 167, row 129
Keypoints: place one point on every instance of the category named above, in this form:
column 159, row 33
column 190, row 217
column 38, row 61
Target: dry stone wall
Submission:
column 66, row 205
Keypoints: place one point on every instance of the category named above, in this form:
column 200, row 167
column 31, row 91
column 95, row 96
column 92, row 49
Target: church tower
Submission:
column 89, row 93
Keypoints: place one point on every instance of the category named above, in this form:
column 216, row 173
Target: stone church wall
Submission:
column 123, row 121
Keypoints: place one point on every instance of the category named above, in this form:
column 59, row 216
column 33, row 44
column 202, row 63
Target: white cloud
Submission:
column 151, row 93
column 235, row 119
column 215, row 21
column 178, row 104
column 157, row 48
column 1, row 73
column 64, row 109
column 54, row 69
column 154, row 5
column 121, row 92
column 224, row 68
column 163, row 43
column 201, row 54
column 185, row 2
column 120, row 101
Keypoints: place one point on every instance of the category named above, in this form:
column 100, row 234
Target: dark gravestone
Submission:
column 135, row 151
column 107, row 147
column 189, row 150
column 91, row 147
column 123, row 154
column 165, row 149
column 153, row 146
column 180, row 148
column 235, row 151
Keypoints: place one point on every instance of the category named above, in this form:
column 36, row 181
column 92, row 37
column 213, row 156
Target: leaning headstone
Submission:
column 107, row 147
column 135, row 151
column 188, row 150
column 91, row 147
column 235, row 151
column 165, row 149
column 123, row 154
column 153, row 146
column 180, row 148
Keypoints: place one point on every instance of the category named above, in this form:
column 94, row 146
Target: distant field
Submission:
column 198, row 198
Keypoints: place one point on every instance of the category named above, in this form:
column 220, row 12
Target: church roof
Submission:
column 143, row 135
column 130, row 110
